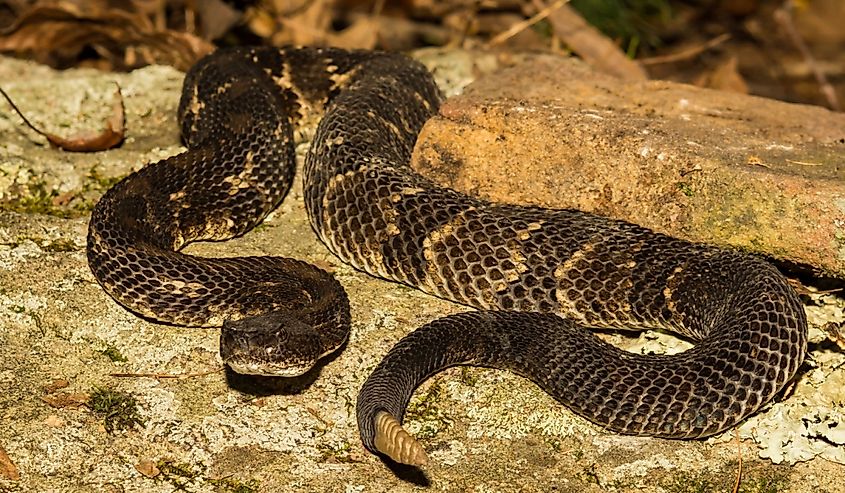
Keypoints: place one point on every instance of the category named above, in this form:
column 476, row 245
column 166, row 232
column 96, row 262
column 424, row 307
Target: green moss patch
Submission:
column 119, row 410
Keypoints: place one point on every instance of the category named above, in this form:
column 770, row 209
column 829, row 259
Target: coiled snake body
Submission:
column 241, row 110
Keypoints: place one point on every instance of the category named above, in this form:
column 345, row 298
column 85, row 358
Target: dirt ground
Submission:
column 62, row 340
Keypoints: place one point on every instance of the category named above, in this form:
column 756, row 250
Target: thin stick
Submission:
column 164, row 375
column 687, row 53
column 783, row 16
column 521, row 26
column 803, row 163
column 20, row 113
column 739, row 456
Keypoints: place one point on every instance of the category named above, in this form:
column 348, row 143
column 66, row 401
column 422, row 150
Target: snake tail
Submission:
column 737, row 365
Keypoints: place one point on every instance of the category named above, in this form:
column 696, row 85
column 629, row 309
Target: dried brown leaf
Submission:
column 109, row 137
column 260, row 22
column 148, row 468
column 66, row 399
column 56, row 33
column 724, row 77
column 55, row 385
column 216, row 17
column 363, row 34
column 287, row 8
column 441, row 8
column 398, row 34
column 8, row 469
column 310, row 26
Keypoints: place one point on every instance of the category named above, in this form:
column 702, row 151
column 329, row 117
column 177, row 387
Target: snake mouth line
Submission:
column 264, row 370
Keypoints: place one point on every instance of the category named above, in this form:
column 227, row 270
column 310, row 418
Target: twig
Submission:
column 20, row 114
column 739, row 456
column 165, row 375
column 111, row 135
column 801, row 289
column 595, row 48
column 803, row 163
column 687, row 53
column 521, row 26
column 783, row 16
column 313, row 412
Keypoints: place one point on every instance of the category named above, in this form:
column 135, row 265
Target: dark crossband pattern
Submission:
column 242, row 111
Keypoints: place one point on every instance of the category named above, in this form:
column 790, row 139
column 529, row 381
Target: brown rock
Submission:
column 708, row 166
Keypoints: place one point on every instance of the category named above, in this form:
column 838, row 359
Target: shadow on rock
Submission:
column 409, row 474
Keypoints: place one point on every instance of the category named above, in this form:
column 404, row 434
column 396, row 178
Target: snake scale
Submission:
column 537, row 276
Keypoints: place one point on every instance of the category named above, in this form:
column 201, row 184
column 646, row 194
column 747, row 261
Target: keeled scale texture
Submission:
column 238, row 121
column 374, row 212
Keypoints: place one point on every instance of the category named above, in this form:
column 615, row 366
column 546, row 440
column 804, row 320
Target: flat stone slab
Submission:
column 61, row 335
column 709, row 166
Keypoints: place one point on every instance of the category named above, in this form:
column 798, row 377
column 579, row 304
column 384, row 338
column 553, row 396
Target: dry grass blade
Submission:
column 66, row 399
column 739, row 461
column 165, row 375
column 783, row 17
column 688, row 53
column 521, row 26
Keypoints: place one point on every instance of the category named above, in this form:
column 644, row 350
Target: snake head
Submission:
column 274, row 344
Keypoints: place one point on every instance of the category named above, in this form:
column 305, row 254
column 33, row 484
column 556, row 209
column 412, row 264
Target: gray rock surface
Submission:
column 61, row 338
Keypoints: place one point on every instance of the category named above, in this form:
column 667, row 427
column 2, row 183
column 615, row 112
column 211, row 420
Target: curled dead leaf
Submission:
column 111, row 135
column 55, row 33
